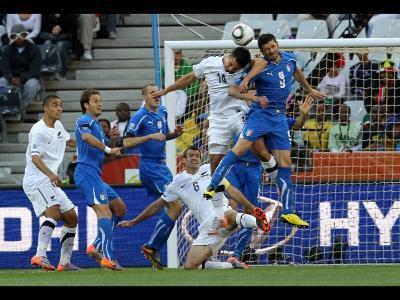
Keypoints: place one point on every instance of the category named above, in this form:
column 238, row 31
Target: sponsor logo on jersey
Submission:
column 102, row 196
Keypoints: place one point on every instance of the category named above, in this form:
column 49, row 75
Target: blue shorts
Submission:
column 246, row 177
column 271, row 124
column 155, row 176
column 93, row 188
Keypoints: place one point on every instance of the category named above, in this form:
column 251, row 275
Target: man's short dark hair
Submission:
column 265, row 38
column 47, row 100
column 192, row 147
column 242, row 56
column 85, row 97
column 105, row 120
column 146, row 86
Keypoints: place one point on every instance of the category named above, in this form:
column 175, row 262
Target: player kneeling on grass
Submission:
column 187, row 186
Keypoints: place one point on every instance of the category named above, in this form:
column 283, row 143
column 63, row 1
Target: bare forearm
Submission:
column 71, row 143
column 237, row 196
column 299, row 76
column 93, row 141
column 38, row 162
column 171, row 136
column 300, row 121
column 151, row 210
column 130, row 142
column 181, row 83
column 258, row 66
column 234, row 92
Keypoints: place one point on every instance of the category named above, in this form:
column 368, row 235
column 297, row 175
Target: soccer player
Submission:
column 108, row 206
column 227, row 113
column 45, row 152
column 187, row 186
column 273, row 83
column 148, row 129
column 246, row 174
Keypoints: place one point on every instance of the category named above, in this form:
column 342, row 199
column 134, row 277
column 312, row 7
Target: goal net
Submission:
column 345, row 159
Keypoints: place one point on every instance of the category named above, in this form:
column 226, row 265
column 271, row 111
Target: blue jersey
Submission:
column 275, row 82
column 88, row 155
column 146, row 122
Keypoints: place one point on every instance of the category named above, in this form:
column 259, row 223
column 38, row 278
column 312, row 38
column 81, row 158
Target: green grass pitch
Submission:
column 328, row 275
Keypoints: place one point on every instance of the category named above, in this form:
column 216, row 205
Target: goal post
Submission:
column 372, row 241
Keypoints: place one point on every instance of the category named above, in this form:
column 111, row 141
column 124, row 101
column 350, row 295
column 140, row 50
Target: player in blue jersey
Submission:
column 246, row 175
column 148, row 130
column 108, row 206
column 273, row 85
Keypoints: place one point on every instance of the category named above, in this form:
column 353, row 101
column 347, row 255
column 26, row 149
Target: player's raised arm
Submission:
column 149, row 211
column 180, row 84
column 257, row 66
column 299, row 76
column 235, row 92
column 304, row 109
column 94, row 142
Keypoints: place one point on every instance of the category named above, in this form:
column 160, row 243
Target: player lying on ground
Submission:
column 187, row 186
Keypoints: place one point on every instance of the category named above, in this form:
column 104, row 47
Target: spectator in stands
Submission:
column 105, row 124
column 111, row 26
column 71, row 170
column 123, row 115
column 87, row 26
column 389, row 88
column 317, row 129
column 31, row 22
column 21, row 64
column 364, row 79
column 374, row 129
column 331, row 20
column 61, row 30
column 334, row 82
column 345, row 136
column 393, row 133
column 183, row 67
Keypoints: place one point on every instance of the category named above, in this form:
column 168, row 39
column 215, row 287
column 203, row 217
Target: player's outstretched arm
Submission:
column 304, row 109
column 176, row 133
column 71, row 142
column 130, row 142
column 238, row 197
column 148, row 212
column 299, row 76
column 234, row 92
column 180, row 84
column 94, row 142
column 258, row 65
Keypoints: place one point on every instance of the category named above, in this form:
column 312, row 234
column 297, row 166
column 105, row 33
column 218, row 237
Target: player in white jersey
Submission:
column 187, row 186
column 47, row 142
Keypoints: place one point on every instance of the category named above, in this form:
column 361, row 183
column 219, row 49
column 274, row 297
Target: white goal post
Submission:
column 389, row 44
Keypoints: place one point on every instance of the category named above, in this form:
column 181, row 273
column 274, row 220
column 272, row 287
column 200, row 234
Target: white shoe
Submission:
column 112, row 35
column 87, row 55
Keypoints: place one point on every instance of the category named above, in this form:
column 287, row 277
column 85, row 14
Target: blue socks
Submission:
column 114, row 221
column 105, row 230
column 226, row 163
column 243, row 238
column 162, row 231
column 285, row 187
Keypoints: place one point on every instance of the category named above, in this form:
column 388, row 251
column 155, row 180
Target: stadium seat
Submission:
column 227, row 35
column 290, row 18
column 246, row 18
column 385, row 28
column 280, row 29
column 341, row 27
column 357, row 110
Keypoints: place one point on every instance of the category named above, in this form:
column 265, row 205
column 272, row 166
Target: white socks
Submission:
column 218, row 203
column 44, row 237
column 67, row 244
column 246, row 221
column 216, row 265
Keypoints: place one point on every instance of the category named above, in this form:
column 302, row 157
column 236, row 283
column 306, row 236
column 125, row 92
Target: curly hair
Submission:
column 85, row 97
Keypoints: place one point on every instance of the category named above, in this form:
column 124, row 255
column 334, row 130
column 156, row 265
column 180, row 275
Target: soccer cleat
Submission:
column 151, row 255
column 94, row 253
column 110, row 264
column 236, row 263
column 262, row 220
column 67, row 267
column 294, row 220
column 209, row 193
column 42, row 262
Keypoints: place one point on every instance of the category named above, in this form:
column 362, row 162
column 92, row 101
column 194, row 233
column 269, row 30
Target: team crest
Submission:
column 288, row 68
column 249, row 132
column 102, row 196
column 159, row 124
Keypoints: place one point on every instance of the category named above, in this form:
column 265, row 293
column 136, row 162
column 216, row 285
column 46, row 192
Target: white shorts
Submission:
column 45, row 197
column 221, row 131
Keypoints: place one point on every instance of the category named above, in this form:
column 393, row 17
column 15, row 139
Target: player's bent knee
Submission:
column 174, row 209
column 190, row 266
column 118, row 207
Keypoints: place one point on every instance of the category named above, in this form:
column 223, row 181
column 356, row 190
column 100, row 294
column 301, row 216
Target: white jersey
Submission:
column 218, row 80
column 50, row 144
column 189, row 188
